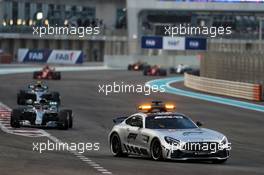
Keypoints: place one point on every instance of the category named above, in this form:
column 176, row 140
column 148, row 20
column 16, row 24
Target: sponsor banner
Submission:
column 66, row 57
column 151, row 42
column 33, row 55
column 50, row 56
column 195, row 43
column 174, row 43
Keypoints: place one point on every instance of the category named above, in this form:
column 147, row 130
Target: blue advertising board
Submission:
column 192, row 43
column 37, row 55
column 151, row 42
column 50, row 56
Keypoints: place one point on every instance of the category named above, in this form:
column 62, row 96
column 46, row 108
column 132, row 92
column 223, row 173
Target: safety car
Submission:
column 158, row 132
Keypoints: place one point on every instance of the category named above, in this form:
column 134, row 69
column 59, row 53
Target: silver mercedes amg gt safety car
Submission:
column 159, row 133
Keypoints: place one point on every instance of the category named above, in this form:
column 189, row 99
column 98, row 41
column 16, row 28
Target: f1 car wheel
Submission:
column 145, row 72
column 20, row 100
column 15, row 118
column 172, row 70
column 35, row 75
column 21, row 97
column 220, row 161
column 156, row 150
column 116, row 147
column 64, row 120
column 70, row 117
column 57, row 76
column 162, row 73
column 55, row 96
column 129, row 67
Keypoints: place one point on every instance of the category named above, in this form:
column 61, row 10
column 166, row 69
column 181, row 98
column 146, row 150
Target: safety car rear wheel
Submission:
column 116, row 147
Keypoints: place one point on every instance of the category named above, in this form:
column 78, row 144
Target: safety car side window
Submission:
column 135, row 121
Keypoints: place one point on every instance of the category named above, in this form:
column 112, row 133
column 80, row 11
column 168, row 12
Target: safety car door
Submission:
column 134, row 125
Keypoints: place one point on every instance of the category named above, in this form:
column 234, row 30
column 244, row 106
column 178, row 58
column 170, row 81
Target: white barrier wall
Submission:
column 223, row 87
column 122, row 61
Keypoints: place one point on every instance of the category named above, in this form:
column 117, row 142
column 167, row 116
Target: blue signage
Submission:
column 151, row 42
column 37, row 55
column 195, row 43
column 50, row 56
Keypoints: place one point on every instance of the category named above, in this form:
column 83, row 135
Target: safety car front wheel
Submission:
column 156, row 150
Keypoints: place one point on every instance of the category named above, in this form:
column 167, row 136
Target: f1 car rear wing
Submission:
column 119, row 120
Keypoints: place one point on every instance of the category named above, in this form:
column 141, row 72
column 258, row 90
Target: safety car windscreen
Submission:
column 169, row 122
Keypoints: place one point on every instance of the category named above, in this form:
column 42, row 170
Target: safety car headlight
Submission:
column 172, row 141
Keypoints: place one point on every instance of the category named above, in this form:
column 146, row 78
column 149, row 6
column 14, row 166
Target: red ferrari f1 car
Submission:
column 138, row 66
column 47, row 73
column 154, row 71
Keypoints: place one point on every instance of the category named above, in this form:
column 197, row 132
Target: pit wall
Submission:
column 122, row 61
column 247, row 91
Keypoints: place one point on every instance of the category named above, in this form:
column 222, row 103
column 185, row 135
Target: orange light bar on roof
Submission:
column 144, row 107
column 170, row 106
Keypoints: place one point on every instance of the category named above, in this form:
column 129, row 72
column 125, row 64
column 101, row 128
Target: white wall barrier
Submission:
column 223, row 87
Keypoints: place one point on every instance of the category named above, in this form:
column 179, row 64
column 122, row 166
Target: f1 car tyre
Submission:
column 57, row 75
column 129, row 67
column 145, row 72
column 156, row 150
column 220, row 161
column 20, row 100
column 172, row 70
column 35, row 75
column 64, row 120
column 115, row 145
column 15, row 118
column 70, row 117
column 55, row 96
column 21, row 97
column 163, row 72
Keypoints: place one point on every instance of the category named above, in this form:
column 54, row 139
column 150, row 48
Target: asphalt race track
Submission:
column 94, row 111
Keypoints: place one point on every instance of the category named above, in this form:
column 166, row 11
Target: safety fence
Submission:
column 223, row 87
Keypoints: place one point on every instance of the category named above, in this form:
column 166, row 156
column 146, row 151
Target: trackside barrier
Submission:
column 222, row 87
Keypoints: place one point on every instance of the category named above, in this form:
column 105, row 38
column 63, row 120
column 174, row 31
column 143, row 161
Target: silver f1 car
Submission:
column 42, row 114
column 162, row 134
column 36, row 92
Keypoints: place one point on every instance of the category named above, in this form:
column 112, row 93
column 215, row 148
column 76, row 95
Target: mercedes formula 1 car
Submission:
column 138, row 66
column 154, row 71
column 47, row 73
column 159, row 133
column 180, row 69
column 42, row 114
column 36, row 92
